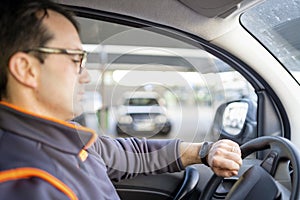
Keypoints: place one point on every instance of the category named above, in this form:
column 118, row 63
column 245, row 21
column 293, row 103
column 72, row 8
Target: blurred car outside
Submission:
column 142, row 113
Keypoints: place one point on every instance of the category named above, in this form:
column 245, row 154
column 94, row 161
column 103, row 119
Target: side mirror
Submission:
column 235, row 120
column 234, row 117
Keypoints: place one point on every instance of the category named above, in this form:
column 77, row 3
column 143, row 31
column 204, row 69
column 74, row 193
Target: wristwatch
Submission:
column 203, row 153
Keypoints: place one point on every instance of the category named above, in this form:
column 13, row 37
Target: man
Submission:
column 42, row 84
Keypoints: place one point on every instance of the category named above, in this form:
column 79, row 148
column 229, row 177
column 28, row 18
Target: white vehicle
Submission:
column 142, row 113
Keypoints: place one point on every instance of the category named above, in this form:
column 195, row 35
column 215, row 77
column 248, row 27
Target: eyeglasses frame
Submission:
column 50, row 50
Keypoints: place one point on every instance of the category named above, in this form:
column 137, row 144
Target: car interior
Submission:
column 210, row 72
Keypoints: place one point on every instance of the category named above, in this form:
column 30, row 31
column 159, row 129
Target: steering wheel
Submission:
column 258, row 181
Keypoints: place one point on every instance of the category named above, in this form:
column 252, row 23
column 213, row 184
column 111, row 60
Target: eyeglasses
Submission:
column 79, row 56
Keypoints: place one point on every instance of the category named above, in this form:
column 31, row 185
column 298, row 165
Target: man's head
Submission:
column 48, row 77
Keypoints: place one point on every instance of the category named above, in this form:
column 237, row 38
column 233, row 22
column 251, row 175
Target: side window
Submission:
column 147, row 84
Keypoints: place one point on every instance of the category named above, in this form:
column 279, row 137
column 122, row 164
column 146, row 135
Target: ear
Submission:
column 23, row 68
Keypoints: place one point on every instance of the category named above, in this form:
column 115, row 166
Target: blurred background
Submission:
column 130, row 68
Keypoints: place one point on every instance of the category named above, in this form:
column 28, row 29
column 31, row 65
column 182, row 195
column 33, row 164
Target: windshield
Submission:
column 276, row 24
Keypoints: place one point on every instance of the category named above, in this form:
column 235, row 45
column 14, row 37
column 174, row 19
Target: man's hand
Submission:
column 224, row 158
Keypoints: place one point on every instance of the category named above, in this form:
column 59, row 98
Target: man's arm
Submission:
column 127, row 157
column 224, row 156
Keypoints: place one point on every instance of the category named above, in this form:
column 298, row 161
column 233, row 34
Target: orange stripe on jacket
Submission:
column 26, row 172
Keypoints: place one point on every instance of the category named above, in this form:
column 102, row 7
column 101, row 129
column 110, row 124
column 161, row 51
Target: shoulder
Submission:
column 25, row 167
column 17, row 182
column 17, row 151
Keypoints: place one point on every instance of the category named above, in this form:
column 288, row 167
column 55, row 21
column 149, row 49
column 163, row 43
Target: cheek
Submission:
column 60, row 74
column 58, row 80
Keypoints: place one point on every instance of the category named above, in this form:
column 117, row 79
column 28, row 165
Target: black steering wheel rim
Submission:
column 286, row 149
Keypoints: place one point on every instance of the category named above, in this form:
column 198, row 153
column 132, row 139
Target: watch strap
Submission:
column 203, row 153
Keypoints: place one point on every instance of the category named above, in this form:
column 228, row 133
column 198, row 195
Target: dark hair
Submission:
column 21, row 28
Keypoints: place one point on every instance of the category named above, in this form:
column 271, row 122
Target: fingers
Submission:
column 225, row 173
column 225, row 158
column 224, row 151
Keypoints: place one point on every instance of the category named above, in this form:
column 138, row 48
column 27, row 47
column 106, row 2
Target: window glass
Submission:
column 276, row 24
column 179, row 85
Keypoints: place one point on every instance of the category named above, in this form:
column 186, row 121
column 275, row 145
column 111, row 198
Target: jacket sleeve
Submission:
column 128, row 157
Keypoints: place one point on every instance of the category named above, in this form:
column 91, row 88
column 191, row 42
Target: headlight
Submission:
column 160, row 119
column 125, row 119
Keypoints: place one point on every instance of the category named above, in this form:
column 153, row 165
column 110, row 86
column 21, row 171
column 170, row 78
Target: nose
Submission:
column 84, row 77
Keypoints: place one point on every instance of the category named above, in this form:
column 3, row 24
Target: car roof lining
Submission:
column 213, row 8
column 201, row 22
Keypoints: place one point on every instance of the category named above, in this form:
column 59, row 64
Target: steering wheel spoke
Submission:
column 270, row 163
